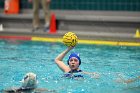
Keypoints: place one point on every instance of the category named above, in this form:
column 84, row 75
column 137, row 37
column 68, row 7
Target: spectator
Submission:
column 46, row 9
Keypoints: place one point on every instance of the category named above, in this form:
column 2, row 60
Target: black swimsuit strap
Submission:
column 75, row 71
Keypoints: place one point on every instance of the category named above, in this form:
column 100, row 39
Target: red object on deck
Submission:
column 16, row 37
column 11, row 6
column 53, row 24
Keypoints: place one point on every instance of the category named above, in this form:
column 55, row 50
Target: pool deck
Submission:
column 87, row 37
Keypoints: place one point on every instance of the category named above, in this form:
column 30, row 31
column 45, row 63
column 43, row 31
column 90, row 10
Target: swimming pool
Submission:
column 112, row 62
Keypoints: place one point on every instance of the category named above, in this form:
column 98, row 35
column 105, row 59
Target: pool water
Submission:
column 111, row 62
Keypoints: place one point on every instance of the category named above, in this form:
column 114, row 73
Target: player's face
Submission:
column 74, row 63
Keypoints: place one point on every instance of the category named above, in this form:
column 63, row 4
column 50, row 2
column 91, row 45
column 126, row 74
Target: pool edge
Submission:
column 80, row 41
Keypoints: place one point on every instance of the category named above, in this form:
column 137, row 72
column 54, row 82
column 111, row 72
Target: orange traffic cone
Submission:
column 53, row 24
column 11, row 7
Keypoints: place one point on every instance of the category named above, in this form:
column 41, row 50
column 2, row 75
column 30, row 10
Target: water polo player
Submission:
column 74, row 62
column 29, row 85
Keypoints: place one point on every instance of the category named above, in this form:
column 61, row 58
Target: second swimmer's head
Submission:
column 29, row 80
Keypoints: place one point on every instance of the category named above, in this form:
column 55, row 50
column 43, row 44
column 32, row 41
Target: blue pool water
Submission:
column 112, row 62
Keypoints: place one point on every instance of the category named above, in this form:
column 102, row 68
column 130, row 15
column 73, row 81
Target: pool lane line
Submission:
column 45, row 39
column 112, row 43
column 97, row 42
column 80, row 41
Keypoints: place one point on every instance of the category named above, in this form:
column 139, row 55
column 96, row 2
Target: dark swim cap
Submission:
column 74, row 55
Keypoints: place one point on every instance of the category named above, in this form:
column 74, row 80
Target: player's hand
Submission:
column 48, row 1
column 70, row 47
column 29, row 1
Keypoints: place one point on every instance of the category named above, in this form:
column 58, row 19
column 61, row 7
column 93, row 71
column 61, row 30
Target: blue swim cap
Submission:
column 74, row 55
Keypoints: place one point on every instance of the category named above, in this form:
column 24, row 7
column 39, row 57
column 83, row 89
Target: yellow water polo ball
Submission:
column 70, row 39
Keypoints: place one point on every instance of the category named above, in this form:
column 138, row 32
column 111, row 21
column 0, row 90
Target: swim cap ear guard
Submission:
column 74, row 55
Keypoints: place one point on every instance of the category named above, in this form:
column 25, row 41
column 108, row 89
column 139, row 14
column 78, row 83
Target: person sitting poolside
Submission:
column 73, row 62
column 29, row 85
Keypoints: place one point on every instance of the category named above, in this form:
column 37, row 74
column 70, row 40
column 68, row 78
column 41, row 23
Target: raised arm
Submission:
column 59, row 60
